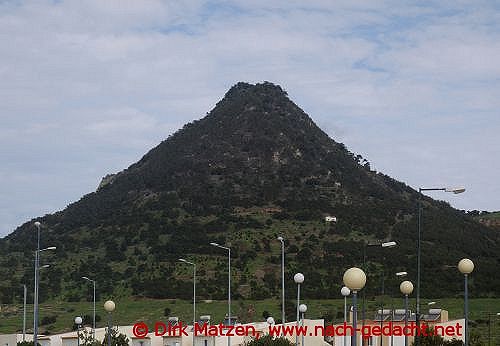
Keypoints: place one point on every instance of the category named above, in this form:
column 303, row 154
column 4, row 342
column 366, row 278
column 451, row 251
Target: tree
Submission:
column 166, row 312
column 26, row 343
column 117, row 339
column 87, row 338
column 268, row 340
column 433, row 339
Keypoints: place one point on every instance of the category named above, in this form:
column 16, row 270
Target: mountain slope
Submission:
column 254, row 168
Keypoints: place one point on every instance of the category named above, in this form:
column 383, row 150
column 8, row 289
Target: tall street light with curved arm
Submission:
column 229, row 286
column 37, row 282
column 93, row 317
column 194, row 291
column 282, row 241
column 387, row 244
column 455, row 191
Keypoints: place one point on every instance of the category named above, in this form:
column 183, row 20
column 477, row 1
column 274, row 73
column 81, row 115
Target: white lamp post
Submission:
column 345, row 291
column 466, row 266
column 282, row 241
column 355, row 279
column 93, row 317
column 406, row 287
column 302, row 309
column 109, row 306
column 299, row 279
column 228, row 285
column 78, row 322
column 194, row 292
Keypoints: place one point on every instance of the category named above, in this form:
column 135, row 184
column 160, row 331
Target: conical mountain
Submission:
column 254, row 168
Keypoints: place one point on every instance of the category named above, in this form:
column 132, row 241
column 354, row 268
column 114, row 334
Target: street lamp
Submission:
column 93, row 317
column 406, row 288
column 384, row 245
column 37, row 282
column 78, row 322
column 355, row 279
column 466, row 266
column 25, row 292
column 109, row 306
column 282, row 241
column 302, row 309
column 345, row 291
column 455, row 191
column 299, row 279
column 194, row 292
column 35, row 298
column 399, row 275
column 229, row 286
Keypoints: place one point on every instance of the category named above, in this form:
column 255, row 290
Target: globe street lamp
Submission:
column 93, row 317
column 194, row 291
column 299, row 279
column 282, row 241
column 466, row 266
column 302, row 309
column 228, row 285
column 78, row 322
column 406, row 287
column 345, row 291
column 355, row 279
column 455, row 191
column 109, row 306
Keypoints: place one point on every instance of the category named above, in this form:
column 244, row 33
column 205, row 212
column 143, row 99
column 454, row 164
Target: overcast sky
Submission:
column 88, row 87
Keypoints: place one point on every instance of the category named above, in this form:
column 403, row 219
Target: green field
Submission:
column 130, row 310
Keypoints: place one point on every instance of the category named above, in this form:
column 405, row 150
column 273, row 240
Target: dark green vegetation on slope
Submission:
column 255, row 167
column 490, row 219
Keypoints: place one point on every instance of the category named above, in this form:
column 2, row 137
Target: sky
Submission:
column 88, row 87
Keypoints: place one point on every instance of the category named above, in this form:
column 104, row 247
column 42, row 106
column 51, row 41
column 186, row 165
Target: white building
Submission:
column 259, row 328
